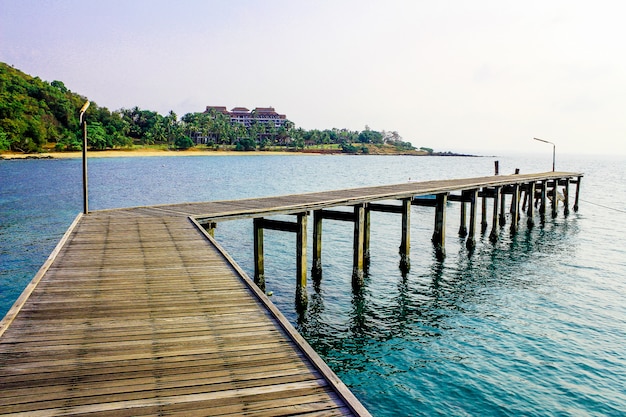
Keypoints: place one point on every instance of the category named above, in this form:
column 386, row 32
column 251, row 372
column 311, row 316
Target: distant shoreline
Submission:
column 141, row 153
column 116, row 153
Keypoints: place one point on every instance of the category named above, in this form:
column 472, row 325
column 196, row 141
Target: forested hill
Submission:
column 33, row 111
column 36, row 115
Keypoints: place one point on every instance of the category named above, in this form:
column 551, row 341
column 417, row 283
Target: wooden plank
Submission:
column 117, row 330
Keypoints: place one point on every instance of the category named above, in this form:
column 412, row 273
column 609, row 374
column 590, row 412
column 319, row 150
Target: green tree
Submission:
column 97, row 137
column 5, row 144
column 245, row 144
column 183, row 142
column 427, row 150
column 370, row 136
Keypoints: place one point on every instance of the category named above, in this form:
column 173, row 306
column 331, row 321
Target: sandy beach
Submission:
column 141, row 153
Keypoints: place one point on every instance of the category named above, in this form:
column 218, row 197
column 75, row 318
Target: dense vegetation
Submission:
column 37, row 115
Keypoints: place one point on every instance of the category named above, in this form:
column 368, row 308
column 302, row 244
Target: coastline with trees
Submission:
column 37, row 116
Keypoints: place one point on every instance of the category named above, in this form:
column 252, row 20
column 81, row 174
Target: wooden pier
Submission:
column 140, row 312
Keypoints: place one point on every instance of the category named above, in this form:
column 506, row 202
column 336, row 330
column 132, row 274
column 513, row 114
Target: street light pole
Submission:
column 553, row 150
column 85, row 189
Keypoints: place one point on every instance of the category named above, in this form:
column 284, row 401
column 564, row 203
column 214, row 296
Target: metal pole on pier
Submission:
column 85, row 188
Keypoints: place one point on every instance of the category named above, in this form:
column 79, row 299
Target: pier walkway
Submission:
column 140, row 312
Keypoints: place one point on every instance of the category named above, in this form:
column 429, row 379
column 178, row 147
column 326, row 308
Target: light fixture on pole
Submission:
column 84, row 125
column 553, row 150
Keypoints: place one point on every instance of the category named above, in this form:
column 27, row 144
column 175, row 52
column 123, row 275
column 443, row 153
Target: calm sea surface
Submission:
column 533, row 325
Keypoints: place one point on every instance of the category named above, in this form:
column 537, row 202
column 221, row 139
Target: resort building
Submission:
column 242, row 115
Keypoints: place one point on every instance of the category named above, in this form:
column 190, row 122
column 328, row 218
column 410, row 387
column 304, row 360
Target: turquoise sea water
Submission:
column 533, row 325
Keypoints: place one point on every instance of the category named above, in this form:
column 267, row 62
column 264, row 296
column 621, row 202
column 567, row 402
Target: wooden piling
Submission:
column 301, row 240
column 259, row 264
column 316, row 269
column 366, row 237
column 483, row 212
column 502, row 218
column 515, row 208
column 359, row 238
column 555, row 197
column 566, row 196
column 439, row 235
column 530, row 222
column 470, row 243
column 494, row 227
column 463, row 219
column 405, row 243
column 577, row 193
column 544, row 193
column 210, row 228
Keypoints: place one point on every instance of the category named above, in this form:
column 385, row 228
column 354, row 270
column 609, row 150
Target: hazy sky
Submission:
column 477, row 75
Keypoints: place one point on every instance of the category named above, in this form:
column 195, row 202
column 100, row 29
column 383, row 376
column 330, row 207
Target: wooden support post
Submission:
column 515, row 208
column 555, row 198
column 502, row 208
column 483, row 213
column 366, row 237
column 405, row 243
column 316, row 270
column 359, row 238
column 494, row 227
column 470, row 243
column 531, row 205
column 300, row 229
column 544, row 193
column 301, row 240
column 259, row 265
column 566, row 197
column 577, row 193
column 210, row 228
column 463, row 220
column 439, row 235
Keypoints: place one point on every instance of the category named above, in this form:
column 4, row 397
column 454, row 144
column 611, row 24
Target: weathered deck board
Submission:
column 141, row 316
column 139, row 312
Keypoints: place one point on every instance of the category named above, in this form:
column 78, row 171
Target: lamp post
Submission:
column 84, row 125
column 553, row 150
